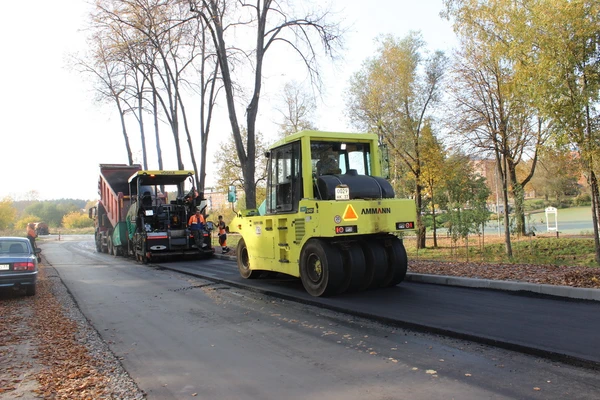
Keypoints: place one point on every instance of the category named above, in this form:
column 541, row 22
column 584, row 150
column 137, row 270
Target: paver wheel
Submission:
column 321, row 268
column 243, row 262
column 142, row 252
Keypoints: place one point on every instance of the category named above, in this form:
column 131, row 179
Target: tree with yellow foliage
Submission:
column 8, row 213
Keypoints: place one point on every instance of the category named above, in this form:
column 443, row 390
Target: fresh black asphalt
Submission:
column 562, row 329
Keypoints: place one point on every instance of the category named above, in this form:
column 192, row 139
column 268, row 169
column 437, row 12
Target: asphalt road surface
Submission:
column 180, row 336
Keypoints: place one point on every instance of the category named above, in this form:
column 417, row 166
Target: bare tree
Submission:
column 297, row 109
column 164, row 44
column 111, row 78
column 495, row 118
column 394, row 95
column 230, row 170
column 208, row 88
column 131, row 54
column 267, row 22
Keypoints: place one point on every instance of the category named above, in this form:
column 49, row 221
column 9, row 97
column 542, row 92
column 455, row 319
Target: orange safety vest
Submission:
column 31, row 232
column 221, row 227
column 196, row 220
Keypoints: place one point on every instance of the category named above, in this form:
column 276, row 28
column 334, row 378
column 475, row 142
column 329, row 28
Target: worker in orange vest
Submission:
column 221, row 226
column 31, row 235
column 196, row 224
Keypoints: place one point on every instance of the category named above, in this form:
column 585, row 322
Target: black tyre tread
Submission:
column 355, row 268
column 376, row 257
column 333, row 269
column 98, row 244
column 243, row 262
column 398, row 261
column 31, row 290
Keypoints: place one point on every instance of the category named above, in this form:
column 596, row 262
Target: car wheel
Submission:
column 30, row 290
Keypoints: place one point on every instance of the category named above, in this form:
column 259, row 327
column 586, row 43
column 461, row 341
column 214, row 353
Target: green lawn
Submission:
column 526, row 250
column 569, row 214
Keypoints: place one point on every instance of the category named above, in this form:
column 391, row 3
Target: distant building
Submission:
column 488, row 169
column 217, row 199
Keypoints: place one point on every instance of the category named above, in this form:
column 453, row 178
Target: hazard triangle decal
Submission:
column 350, row 214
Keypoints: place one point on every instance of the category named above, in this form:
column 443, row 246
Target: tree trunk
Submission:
column 434, row 227
column 124, row 130
column 503, row 175
column 206, row 108
column 420, row 226
column 519, row 213
column 142, row 132
column 190, row 144
column 252, row 109
column 219, row 41
column 156, row 129
column 175, row 131
column 595, row 212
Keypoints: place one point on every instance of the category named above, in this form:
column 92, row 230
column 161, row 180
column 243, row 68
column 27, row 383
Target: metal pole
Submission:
column 497, row 200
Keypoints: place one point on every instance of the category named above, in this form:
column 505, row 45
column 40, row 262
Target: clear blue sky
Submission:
column 54, row 134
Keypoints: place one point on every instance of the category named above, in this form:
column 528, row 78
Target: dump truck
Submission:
column 329, row 217
column 41, row 228
column 157, row 220
column 110, row 228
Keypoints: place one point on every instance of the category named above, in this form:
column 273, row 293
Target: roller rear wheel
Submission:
column 321, row 268
column 243, row 262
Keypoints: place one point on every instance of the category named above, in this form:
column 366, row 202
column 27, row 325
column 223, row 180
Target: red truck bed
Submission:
column 113, row 188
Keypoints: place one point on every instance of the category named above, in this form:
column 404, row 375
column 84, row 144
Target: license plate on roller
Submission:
column 342, row 193
column 4, row 267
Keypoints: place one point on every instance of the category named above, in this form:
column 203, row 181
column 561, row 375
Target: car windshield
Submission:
column 8, row 246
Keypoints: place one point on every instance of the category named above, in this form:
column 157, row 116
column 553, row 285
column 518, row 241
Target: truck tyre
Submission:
column 243, row 261
column 321, row 268
column 111, row 249
column 375, row 257
column 98, row 243
column 398, row 262
column 144, row 253
column 354, row 268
